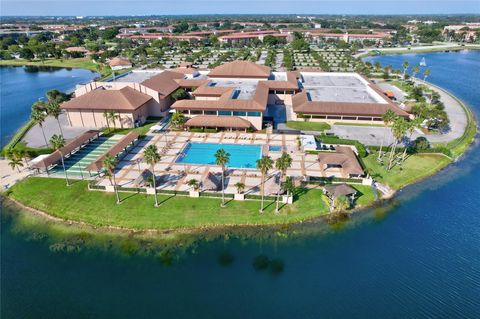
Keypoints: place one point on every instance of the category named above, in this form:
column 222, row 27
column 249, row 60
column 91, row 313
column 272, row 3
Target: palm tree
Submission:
column 426, row 74
column 289, row 186
column 240, row 187
column 53, row 109
column 405, row 66
column 106, row 116
column 415, row 70
column 152, row 157
column 38, row 117
column 222, row 158
column 194, row 184
column 109, row 163
column 178, row 119
column 111, row 116
column 58, row 142
column 15, row 161
column 399, row 128
column 264, row 165
column 283, row 163
column 410, row 127
column 388, row 117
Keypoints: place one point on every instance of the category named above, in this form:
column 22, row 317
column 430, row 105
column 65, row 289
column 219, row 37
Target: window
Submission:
column 349, row 118
column 196, row 112
column 257, row 114
column 210, row 112
column 237, row 113
column 228, row 113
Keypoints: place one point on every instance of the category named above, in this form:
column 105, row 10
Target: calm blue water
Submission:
column 20, row 87
column 421, row 259
column 241, row 156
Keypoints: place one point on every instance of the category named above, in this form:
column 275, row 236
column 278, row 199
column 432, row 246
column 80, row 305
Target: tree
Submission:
column 240, row 187
column 283, row 163
column 264, row 165
column 399, row 128
column 222, row 158
column 152, row 157
column 180, row 94
column 426, row 74
column 299, row 44
column 194, row 184
column 342, row 203
column 58, row 142
column 289, row 186
column 53, row 109
column 415, row 70
column 38, row 117
column 270, row 40
column 109, row 163
column 26, row 53
column 15, row 161
column 388, row 117
column 405, row 66
column 410, row 127
column 111, row 116
column 178, row 119
column 57, row 96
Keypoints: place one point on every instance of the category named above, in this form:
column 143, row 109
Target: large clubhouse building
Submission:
column 234, row 95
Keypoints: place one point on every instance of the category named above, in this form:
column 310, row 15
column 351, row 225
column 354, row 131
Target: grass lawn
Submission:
column 365, row 195
column 137, row 210
column 414, row 168
column 308, row 126
column 142, row 130
column 80, row 63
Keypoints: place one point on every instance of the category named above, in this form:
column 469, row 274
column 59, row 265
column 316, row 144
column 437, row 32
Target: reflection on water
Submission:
column 415, row 256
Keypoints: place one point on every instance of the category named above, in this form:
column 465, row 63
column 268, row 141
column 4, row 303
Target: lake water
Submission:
column 420, row 259
column 20, row 87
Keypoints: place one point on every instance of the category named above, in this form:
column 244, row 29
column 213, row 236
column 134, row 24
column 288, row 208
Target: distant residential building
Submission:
column 120, row 63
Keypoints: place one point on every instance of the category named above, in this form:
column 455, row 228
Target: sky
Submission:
column 172, row 7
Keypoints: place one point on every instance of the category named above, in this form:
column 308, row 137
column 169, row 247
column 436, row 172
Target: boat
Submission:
column 423, row 62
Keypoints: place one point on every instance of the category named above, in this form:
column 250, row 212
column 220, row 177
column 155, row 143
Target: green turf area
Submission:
column 413, row 169
column 137, row 210
column 365, row 195
column 142, row 130
column 81, row 63
column 308, row 126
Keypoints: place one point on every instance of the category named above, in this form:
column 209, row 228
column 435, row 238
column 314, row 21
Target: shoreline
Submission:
column 412, row 50
column 274, row 225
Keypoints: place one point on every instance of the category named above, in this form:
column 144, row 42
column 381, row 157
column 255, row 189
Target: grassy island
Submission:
column 136, row 211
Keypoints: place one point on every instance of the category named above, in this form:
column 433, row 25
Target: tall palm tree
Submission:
column 38, row 117
column 410, row 127
column 405, row 66
column 283, row 163
column 388, row 117
column 152, row 157
column 240, row 187
column 107, row 120
column 426, row 74
column 264, row 165
column 53, row 109
column 222, row 158
column 399, row 128
column 58, row 142
column 109, row 163
column 111, row 116
column 15, row 161
column 415, row 70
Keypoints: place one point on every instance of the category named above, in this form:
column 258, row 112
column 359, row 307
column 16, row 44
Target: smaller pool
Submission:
column 274, row 148
column 241, row 156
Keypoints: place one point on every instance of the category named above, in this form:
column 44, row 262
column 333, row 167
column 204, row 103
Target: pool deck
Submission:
column 175, row 176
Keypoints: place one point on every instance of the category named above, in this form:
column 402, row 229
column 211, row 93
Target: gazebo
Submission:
column 335, row 191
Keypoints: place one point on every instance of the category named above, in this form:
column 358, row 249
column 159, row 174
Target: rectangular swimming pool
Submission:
column 241, row 156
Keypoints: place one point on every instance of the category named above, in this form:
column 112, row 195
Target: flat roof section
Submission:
column 342, row 94
column 245, row 89
column 138, row 77
column 324, row 79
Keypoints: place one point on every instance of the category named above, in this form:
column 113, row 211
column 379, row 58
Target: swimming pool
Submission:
column 241, row 156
